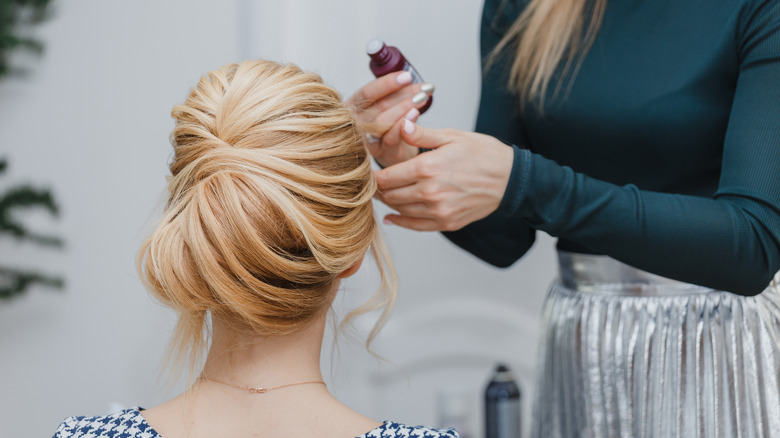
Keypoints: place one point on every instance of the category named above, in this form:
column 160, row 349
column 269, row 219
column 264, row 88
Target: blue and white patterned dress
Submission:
column 129, row 423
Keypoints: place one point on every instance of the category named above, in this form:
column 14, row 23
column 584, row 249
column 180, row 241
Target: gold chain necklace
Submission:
column 260, row 390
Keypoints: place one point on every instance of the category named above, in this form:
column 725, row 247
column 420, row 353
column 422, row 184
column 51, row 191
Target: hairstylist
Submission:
column 646, row 138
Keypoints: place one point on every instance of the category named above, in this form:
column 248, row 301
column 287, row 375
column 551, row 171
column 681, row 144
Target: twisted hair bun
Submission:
column 270, row 200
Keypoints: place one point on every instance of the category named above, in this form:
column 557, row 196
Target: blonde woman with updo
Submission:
column 269, row 210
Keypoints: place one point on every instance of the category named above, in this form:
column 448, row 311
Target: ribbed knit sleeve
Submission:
column 498, row 239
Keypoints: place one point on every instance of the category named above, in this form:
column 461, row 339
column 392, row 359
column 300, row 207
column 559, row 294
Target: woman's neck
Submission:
column 265, row 361
column 214, row 409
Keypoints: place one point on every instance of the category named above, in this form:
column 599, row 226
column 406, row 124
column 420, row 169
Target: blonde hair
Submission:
column 545, row 34
column 270, row 200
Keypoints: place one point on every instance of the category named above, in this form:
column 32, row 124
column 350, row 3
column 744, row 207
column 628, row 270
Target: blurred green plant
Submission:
column 15, row 281
column 15, row 17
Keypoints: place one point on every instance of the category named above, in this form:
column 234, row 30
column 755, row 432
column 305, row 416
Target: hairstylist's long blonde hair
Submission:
column 270, row 200
column 545, row 35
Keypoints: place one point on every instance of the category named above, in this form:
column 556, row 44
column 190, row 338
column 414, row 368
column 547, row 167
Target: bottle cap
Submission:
column 374, row 46
column 502, row 374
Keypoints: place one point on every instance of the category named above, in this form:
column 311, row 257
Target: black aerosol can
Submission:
column 502, row 405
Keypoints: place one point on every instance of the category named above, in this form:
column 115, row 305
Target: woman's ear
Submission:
column 352, row 269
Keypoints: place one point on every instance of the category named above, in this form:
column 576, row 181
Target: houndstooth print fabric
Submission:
column 123, row 424
column 390, row 429
column 129, row 423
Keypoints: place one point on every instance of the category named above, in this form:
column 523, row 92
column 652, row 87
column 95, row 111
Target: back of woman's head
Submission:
column 270, row 200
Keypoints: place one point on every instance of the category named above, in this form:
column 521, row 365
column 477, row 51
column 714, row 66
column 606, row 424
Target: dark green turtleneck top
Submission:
column 663, row 152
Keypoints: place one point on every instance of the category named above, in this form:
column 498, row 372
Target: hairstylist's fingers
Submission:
column 380, row 88
column 410, row 96
column 413, row 223
column 392, row 137
column 416, row 210
column 398, row 197
column 404, row 110
column 401, row 174
column 416, row 135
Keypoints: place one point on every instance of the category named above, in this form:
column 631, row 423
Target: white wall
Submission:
column 92, row 121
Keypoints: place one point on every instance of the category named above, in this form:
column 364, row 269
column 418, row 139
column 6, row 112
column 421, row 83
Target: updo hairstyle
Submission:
column 270, row 200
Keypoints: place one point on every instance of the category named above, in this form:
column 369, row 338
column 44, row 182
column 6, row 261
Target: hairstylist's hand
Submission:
column 462, row 180
column 381, row 106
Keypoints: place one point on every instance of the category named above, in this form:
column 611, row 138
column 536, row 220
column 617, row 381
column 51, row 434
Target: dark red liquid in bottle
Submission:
column 387, row 59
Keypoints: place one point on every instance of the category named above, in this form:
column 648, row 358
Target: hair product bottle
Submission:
column 502, row 405
column 387, row 59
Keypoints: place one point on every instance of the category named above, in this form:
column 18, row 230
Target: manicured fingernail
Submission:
column 427, row 88
column 387, row 221
column 419, row 98
column 412, row 114
column 404, row 78
column 408, row 127
column 371, row 139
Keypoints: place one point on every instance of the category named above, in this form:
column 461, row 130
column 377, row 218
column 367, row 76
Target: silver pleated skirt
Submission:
column 625, row 353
